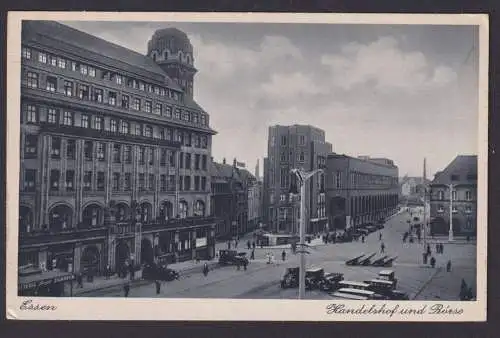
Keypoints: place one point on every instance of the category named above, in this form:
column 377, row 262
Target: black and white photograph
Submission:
column 243, row 164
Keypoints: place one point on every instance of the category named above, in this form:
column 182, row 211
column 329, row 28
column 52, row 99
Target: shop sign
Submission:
column 200, row 242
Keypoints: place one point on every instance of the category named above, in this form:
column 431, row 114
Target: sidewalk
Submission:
column 100, row 283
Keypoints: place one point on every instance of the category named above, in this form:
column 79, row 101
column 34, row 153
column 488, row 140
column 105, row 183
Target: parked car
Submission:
column 159, row 272
column 290, row 278
column 331, row 281
column 232, row 257
column 314, row 277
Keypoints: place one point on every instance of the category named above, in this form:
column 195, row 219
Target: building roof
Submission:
column 462, row 170
column 389, row 164
column 97, row 46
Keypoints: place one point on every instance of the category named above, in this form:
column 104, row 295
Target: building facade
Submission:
column 289, row 147
column 115, row 153
column 458, row 181
column 230, row 191
column 255, row 199
column 360, row 190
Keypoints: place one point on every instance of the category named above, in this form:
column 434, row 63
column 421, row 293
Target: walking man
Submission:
column 283, row 255
column 205, row 269
column 253, row 245
column 382, row 248
column 158, row 286
column 126, row 289
column 252, row 255
column 380, row 236
column 249, row 245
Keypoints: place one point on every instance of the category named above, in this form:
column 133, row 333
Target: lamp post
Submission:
column 450, row 232
column 302, row 178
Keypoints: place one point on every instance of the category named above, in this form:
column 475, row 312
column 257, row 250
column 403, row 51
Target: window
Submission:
column 51, row 84
column 204, row 142
column 150, row 156
column 118, row 79
column 116, row 153
column 125, row 127
column 181, row 160
column 92, row 71
column 68, row 118
column 195, row 118
column 42, row 57
column 183, row 209
column 283, row 198
column 52, row 60
column 202, row 120
column 283, row 140
column 141, row 86
column 148, row 131
column 30, row 145
column 186, row 116
column 468, row 209
column 61, row 63
column 168, row 111
column 127, row 154
column 163, row 157
column 101, row 181
column 197, row 141
column 136, row 105
column 177, row 113
column 338, row 179
column 71, row 149
column 197, row 162
column 26, row 52
column 112, row 98
column 101, row 151
column 138, row 129
column 204, row 162
column 454, row 195
column 302, row 140
column 440, row 195
column 168, row 134
column 468, row 195
column 87, row 180
column 440, row 208
column 83, row 92
column 188, row 161
column 68, row 88
column 157, row 90
column 147, row 106
column 73, row 66
column 85, row 123
column 54, row 180
column 301, row 157
column 283, row 156
column 128, row 182
column 31, row 114
column 52, row 116
column 150, row 88
column 179, row 136
column 158, row 108
column 197, row 183
column 98, row 123
column 284, row 177
column 163, row 182
column 116, row 181
column 171, row 182
column 29, row 180
column 113, row 126
column 88, row 150
column 162, row 91
column 151, row 181
column 32, row 80
column 84, row 69
column 70, row 180
column 142, row 155
column 187, row 183
column 187, row 139
column 142, row 185
column 56, row 147
column 98, row 95
column 125, row 101
column 454, row 209
column 172, row 160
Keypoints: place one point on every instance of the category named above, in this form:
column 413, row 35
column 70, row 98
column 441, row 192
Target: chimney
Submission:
column 224, row 160
column 234, row 162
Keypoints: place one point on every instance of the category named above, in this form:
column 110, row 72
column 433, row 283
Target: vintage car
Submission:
column 290, row 278
column 159, row 272
column 348, row 284
column 398, row 295
column 314, row 278
column 360, row 293
column 388, row 275
column 232, row 257
column 331, row 281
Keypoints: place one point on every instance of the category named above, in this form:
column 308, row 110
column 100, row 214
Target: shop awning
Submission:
column 44, row 278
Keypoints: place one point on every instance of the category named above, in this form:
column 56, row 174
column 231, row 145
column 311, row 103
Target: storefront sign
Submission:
column 200, row 242
column 48, row 281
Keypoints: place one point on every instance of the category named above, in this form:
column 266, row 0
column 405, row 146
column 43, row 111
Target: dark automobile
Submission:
column 314, row 277
column 398, row 295
column 290, row 278
column 227, row 257
column 159, row 272
column 331, row 281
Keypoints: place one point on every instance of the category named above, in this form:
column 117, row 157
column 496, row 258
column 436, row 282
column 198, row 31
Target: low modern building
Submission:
column 114, row 152
column 458, row 182
column 360, row 190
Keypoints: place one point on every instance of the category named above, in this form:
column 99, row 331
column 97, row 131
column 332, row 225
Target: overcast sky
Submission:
column 402, row 92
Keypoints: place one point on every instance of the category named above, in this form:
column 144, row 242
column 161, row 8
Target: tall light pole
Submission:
column 450, row 232
column 302, row 178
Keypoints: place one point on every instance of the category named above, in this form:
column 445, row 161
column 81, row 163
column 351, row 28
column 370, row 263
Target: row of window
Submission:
column 33, row 115
column 361, row 179
column 119, row 181
column 301, row 140
column 64, row 63
column 454, row 209
column 468, row 195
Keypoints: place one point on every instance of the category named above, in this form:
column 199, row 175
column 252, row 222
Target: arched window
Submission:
column 183, row 209
column 440, row 195
column 199, row 209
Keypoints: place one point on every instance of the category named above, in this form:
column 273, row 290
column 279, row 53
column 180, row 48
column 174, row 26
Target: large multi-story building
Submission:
column 255, row 198
column 457, row 181
column 230, row 203
column 360, row 190
column 298, row 146
column 115, row 153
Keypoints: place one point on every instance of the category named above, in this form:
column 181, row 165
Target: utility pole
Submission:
column 302, row 178
column 450, row 232
column 425, row 204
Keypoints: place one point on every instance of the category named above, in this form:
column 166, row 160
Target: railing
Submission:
column 179, row 223
column 67, row 235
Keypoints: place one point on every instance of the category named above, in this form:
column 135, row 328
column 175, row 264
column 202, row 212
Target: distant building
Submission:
column 360, row 190
column 461, row 176
column 255, row 199
column 289, row 147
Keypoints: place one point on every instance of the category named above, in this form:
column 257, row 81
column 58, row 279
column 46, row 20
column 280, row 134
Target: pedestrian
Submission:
column 272, row 258
column 433, row 262
column 235, row 243
column 442, row 248
column 380, row 236
column 108, row 271
column 253, row 245
column 249, row 245
column 362, row 238
column 245, row 263
column 158, row 286
column 79, row 280
column 382, row 248
column 283, row 255
column 268, row 256
column 126, row 289
column 428, row 249
column 252, row 255
column 205, row 269
column 437, row 248
column 448, row 266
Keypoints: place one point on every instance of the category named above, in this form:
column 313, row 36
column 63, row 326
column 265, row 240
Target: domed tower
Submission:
column 171, row 49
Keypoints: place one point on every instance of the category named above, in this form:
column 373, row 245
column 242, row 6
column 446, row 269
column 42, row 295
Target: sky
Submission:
column 404, row 92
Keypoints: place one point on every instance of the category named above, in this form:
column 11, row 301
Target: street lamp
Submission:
column 301, row 179
column 450, row 232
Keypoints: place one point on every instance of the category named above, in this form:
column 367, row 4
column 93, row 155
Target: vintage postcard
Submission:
column 255, row 167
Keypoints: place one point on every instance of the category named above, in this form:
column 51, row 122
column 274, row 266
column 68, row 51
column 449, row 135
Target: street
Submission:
column 261, row 280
